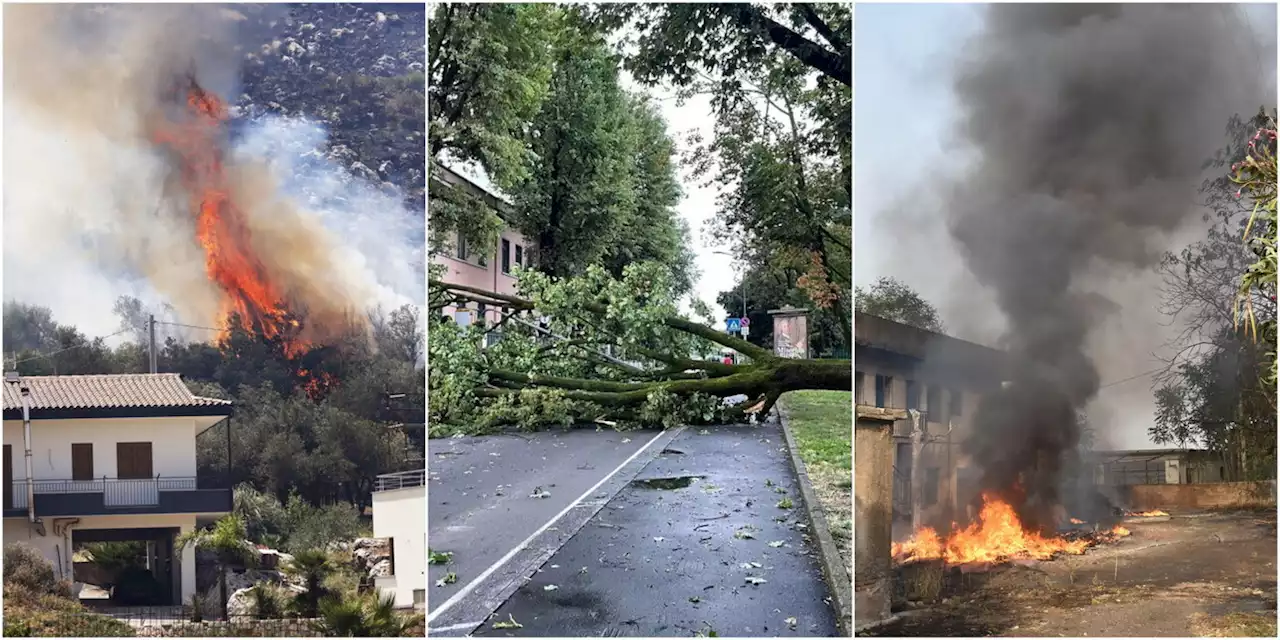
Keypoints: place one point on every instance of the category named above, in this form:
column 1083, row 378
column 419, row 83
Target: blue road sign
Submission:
column 733, row 325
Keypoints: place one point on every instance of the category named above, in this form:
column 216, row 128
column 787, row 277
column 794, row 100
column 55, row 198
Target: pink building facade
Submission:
column 488, row 268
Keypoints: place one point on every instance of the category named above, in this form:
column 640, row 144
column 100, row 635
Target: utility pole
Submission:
column 151, row 330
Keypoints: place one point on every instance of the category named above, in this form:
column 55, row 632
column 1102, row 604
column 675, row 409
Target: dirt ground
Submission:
column 1194, row 574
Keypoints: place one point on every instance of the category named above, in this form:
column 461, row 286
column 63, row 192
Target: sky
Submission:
column 903, row 114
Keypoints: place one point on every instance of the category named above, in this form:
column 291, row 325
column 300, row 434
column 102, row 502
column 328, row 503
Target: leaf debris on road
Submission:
column 449, row 578
column 538, row 492
column 755, row 580
column 502, row 624
column 439, row 557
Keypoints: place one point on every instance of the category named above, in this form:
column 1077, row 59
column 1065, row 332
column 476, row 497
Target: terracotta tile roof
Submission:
column 106, row 391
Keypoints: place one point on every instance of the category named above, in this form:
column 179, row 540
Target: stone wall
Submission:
column 1141, row 497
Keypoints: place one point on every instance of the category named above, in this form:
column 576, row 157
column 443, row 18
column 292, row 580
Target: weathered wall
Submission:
column 873, row 533
column 1142, row 497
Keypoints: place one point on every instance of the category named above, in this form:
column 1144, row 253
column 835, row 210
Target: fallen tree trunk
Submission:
column 662, row 385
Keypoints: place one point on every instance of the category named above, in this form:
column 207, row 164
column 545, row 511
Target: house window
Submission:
column 957, row 403
column 419, row 596
column 519, row 255
column 930, row 486
column 506, row 255
column 884, row 391
column 81, row 461
column 857, row 387
column 934, row 404
column 462, row 248
column 133, row 460
column 913, row 395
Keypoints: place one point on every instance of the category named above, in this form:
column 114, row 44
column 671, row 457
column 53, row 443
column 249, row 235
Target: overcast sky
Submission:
column 903, row 114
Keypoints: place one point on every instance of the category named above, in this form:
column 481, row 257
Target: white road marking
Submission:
column 470, row 586
column 454, row 627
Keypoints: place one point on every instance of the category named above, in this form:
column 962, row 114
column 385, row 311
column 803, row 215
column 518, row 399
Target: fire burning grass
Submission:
column 1146, row 514
column 997, row 536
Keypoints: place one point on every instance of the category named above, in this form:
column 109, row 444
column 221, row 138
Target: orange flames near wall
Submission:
column 998, row 535
column 1147, row 514
column 230, row 259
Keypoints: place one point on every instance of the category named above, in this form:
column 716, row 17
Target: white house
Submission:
column 111, row 458
column 400, row 515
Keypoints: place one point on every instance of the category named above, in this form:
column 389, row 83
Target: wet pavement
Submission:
column 481, row 509
column 696, row 542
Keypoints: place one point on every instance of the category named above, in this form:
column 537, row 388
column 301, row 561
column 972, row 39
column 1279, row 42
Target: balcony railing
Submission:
column 161, row 493
column 401, row 480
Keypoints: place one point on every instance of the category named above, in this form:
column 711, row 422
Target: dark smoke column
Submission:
column 1091, row 123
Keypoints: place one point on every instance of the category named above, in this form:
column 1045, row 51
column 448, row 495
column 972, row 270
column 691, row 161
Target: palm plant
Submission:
column 365, row 617
column 227, row 542
column 312, row 566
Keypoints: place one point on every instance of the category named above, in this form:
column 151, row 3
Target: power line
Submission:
column 189, row 326
column 78, row 346
column 1132, row 377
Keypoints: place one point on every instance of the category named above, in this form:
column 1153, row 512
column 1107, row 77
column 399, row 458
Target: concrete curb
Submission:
column 833, row 568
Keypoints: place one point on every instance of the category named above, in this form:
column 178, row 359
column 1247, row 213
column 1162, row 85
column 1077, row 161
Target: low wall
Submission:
column 1143, row 497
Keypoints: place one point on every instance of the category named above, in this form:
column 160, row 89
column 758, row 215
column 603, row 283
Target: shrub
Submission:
column 365, row 617
column 31, row 612
column 115, row 557
column 23, row 565
column 296, row 525
column 268, row 601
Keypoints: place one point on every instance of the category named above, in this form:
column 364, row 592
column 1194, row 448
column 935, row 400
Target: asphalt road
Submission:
column 692, row 539
column 481, row 509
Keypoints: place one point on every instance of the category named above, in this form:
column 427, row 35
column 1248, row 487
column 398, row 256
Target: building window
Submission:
column 930, row 486
column 519, row 255
column 913, row 395
column 462, row 317
column 462, row 248
column 133, row 460
column 419, row 596
column 934, row 404
column 482, row 314
column 857, row 387
column 884, row 391
column 506, row 255
column 81, row 461
column 957, row 403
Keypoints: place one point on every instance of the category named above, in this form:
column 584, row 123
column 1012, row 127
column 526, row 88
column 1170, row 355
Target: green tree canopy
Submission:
column 893, row 300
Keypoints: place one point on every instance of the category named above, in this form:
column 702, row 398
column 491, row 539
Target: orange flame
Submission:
column 1077, row 521
column 1120, row 531
column 1148, row 514
column 230, row 258
column 997, row 535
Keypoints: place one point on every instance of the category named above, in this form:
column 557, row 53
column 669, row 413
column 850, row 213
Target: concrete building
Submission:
column 102, row 458
column 488, row 268
column 900, row 367
column 400, row 515
column 1158, row 466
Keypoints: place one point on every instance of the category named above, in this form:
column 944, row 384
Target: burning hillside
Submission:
column 136, row 176
column 231, row 260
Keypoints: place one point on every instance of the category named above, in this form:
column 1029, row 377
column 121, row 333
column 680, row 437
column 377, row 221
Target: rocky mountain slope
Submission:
column 355, row 68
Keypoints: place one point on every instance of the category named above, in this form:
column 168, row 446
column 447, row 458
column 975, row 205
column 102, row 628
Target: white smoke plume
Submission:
column 94, row 209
